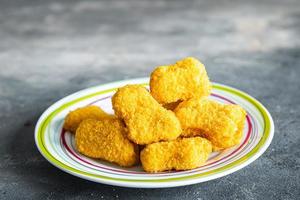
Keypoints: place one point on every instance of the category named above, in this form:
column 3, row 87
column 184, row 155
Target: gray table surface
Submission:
column 51, row 49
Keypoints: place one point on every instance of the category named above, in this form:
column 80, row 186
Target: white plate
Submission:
column 58, row 147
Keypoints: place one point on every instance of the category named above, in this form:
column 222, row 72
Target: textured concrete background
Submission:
column 51, row 49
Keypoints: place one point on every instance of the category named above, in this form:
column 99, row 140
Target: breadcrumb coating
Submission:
column 146, row 120
column 74, row 117
column 180, row 154
column 185, row 79
column 221, row 124
column 105, row 139
column 198, row 132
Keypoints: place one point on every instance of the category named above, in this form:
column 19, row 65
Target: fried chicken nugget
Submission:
column 74, row 118
column 180, row 154
column 105, row 139
column 185, row 79
column 146, row 120
column 221, row 124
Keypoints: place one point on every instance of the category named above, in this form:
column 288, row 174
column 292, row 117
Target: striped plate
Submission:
column 58, row 146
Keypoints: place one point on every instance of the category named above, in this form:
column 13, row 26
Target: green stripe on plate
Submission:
column 43, row 125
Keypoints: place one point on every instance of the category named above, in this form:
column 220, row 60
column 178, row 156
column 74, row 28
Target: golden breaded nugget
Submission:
column 180, row 154
column 146, row 120
column 74, row 117
column 185, row 79
column 105, row 139
column 221, row 124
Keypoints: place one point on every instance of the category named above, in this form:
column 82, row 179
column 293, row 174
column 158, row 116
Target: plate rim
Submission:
column 187, row 180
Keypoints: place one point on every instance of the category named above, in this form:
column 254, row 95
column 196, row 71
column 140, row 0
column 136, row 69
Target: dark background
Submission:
column 51, row 49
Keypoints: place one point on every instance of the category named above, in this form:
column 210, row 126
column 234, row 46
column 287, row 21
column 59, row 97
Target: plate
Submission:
column 57, row 146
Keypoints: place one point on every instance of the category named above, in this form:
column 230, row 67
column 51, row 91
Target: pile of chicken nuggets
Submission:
column 175, row 126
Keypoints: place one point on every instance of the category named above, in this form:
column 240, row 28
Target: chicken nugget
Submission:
column 146, row 120
column 105, row 139
column 221, row 124
column 74, row 117
column 185, row 79
column 180, row 154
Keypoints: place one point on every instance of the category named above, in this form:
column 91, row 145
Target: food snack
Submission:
column 105, row 139
column 185, row 79
column 221, row 124
column 74, row 117
column 175, row 126
column 146, row 120
column 180, row 154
